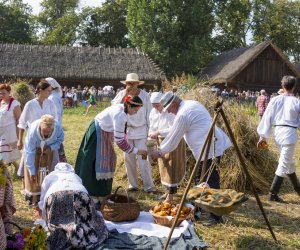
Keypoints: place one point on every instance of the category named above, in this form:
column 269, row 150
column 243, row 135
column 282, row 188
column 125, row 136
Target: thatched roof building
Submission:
column 77, row 65
column 255, row 67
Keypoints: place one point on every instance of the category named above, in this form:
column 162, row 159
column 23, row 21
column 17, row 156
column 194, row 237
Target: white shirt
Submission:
column 56, row 99
column 33, row 111
column 62, row 178
column 193, row 122
column 113, row 119
column 160, row 122
column 7, row 117
column 138, row 124
column 281, row 110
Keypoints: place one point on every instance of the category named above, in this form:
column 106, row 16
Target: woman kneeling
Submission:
column 69, row 211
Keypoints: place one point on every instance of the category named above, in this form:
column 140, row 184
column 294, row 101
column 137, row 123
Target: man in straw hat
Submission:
column 137, row 132
column 261, row 103
column 283, row 112
column 192, row 122
column 173, row 165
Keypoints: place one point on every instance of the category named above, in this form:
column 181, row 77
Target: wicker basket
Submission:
column 167, row 221
column 118, row 207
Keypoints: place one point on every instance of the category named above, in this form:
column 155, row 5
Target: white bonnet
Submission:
column 156, row 97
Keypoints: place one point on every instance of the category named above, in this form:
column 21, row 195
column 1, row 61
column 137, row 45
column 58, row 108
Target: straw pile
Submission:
column 261, row 164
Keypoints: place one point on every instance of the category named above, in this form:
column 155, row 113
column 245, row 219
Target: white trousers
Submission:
column 145, row 167
column 286, row 163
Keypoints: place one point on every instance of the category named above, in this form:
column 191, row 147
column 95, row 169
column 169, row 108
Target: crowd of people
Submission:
column 66, row 196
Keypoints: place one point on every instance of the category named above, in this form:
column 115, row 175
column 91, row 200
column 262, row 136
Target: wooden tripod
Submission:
column 206, row 146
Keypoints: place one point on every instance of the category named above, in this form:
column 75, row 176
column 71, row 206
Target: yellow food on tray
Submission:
column 170, row 209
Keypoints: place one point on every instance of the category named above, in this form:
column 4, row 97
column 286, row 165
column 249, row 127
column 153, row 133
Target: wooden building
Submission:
column 71, row 66
column 256, row 67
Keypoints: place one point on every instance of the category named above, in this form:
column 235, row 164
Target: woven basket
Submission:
column 118, row 207
column 167, row 221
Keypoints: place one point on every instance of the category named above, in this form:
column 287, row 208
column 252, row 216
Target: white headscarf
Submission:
column 156, row 97
column 64, row 167
column 54, row 84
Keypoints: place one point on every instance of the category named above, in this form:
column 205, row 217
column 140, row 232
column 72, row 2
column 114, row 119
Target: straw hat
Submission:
column 167, row 99
column 132, row 77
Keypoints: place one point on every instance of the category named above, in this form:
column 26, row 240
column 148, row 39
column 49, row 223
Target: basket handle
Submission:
column 124, row 190
column 13, row 223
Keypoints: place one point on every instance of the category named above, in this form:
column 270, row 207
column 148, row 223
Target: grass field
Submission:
column 243, row 229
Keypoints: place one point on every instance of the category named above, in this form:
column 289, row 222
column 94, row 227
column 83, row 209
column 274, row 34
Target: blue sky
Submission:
column 35, row 4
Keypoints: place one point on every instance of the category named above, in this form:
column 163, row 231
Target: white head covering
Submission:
column 156, row 97
column 54, row 84
column 64, row 167
column 167, row 99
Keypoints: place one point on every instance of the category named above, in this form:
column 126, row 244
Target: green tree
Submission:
column 59, row 21
column 106, row 26
column 176, row 34
column 278, row 21
column 15, row 22
column 233, row 22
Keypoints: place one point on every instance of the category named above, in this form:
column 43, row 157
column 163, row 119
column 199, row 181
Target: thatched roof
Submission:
column 78, row 63
column 226, row 66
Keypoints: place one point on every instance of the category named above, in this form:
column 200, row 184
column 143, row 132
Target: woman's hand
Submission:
column 261, row 141
column 47, row 150
column 33, row 178
column 143, row 153
column 154, row 135
column 20, row 144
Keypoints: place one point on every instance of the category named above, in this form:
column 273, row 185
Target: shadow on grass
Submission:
column 256, row 242
column 279, row 220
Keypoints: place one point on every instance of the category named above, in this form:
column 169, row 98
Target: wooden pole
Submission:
column 244, row 166
column 209, row 136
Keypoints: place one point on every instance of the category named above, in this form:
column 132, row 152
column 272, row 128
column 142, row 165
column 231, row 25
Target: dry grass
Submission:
column 243, row 229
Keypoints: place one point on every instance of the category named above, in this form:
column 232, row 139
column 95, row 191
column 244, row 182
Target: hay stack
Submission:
column 261, row 164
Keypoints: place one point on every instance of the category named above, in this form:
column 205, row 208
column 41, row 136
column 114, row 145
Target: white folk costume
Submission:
column 8, row 132
column 33, row 111
column 172, row 166
column 69, row 211
column 56, row 97
column 36, row 162
column 192, row 122
column 283, row 112
column 96, row 159
column 137, row 132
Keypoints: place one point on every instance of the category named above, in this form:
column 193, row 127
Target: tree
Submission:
column 176, row 34
column 233, row 21
column 106, row 26
column 59, row 21
column 278, row 21
column 15, row 22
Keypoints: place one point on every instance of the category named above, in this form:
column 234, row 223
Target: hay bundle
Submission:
column 261, row 164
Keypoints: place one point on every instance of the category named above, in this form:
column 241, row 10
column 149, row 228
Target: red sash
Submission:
column 10, row 102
